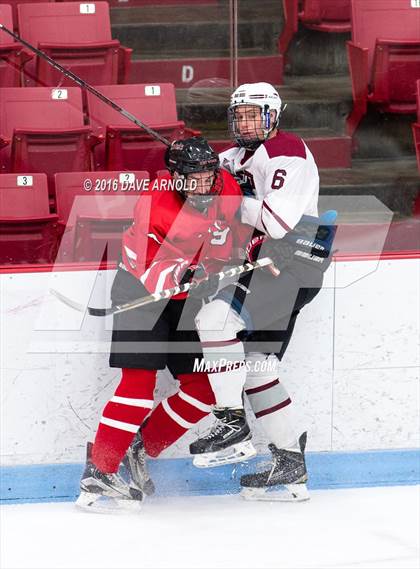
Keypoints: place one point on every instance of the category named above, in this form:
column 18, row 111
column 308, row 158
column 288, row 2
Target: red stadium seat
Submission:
column 76, row 35
column 28, row 232
column 416, row 127
column 42, row 130
column 14, row 5
column 93, row 220
column 326, row 15
column 384, row 56
column 129, row 3
column 320, row 15
column 12, row 57
column 124, row 145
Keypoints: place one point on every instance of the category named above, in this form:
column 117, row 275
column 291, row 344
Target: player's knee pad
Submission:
column 218, row 321
column 223, row 353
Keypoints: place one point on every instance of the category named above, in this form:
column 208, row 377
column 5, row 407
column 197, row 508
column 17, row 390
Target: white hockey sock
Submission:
column 280, row 427
column 270, row 401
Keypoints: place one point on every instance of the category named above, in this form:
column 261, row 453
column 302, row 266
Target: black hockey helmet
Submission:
column 192, row 156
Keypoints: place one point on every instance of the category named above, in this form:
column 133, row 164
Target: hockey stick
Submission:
column 155, row 297
column 86, row 86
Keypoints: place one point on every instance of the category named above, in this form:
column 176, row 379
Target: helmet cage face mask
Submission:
column 201, row 194
column 254, row 113
column 189, row 158
column 250, row 131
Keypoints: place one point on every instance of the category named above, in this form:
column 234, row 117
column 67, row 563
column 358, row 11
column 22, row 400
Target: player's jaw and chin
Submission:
column 247, row 125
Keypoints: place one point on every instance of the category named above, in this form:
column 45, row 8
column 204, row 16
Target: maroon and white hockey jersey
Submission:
column 284, row 179
column 168, row 235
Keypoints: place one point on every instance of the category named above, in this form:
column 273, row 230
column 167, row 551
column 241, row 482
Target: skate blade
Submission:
column 99, row 504
column 285, row 493
column 236, row 453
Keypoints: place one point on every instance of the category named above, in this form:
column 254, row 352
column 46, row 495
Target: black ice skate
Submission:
column 228, row 441
column 284, row 481
column 135, row 463
column 101, row 492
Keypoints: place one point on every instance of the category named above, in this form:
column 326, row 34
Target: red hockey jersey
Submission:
column 168, row 235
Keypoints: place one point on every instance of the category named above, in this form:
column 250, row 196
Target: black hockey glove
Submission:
column 246, row 184
column 310, row 241
column 193, row 271
column 248, row 189
column 207, row 284
column 205, row 288
column 280, row 252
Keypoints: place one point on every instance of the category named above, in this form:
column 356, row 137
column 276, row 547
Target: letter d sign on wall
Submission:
column 187, row 73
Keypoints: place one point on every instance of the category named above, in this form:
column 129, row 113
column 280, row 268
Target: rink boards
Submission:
column 352, row 367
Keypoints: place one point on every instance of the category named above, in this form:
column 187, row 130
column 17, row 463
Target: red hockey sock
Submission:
column 122, row 416
column 178, row 413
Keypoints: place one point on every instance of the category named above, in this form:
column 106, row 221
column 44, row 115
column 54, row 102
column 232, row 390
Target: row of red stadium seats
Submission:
column 321, row 15
column 384, row 57
column 48, row 130
column 384, row 53
column 92, row 212
column 67, row 31
column 416, row 129
column 113, row 3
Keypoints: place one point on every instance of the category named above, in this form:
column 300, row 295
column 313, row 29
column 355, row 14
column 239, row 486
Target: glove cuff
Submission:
column 254, row 246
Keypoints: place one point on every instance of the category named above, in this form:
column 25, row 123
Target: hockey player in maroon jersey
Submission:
column 176, row 236
column 249, row 325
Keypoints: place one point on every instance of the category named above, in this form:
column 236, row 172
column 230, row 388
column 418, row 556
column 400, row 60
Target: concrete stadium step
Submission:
column 312, row 102
column 330, row 150
column 382, row 135
column 201, row 31
column 183, row 72
column 395, row 183
column 173, row 29
column 312, row 53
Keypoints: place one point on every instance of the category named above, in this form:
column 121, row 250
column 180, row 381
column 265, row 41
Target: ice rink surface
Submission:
column 363, row 528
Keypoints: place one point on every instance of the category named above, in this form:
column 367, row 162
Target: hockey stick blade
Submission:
column 165, row 294
column 68, row 301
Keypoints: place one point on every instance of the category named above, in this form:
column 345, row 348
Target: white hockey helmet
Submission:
column 262, row 95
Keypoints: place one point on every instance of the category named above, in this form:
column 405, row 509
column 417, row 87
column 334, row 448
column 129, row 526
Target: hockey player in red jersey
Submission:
column 176, row 236
column 249, row 324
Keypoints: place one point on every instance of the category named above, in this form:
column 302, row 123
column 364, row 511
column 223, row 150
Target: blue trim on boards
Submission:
column 178, row 477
